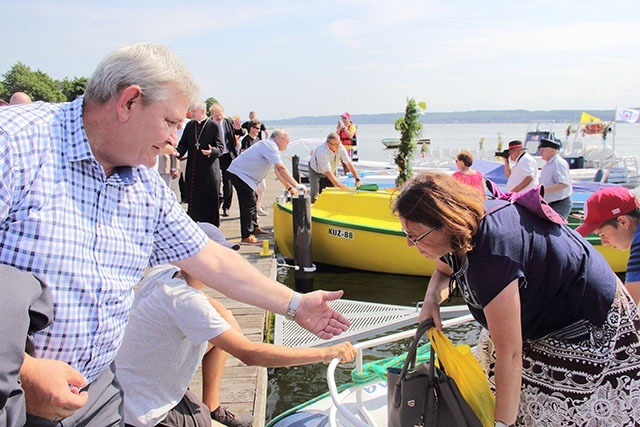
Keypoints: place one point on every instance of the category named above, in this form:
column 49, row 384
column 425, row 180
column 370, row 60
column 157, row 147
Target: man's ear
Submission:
column 128, row 98
column 624, row 221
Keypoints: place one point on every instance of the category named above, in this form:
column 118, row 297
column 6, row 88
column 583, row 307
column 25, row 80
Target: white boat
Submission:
column 589, row 148
column 365, row 167
column 354, row 405
column 395, row 142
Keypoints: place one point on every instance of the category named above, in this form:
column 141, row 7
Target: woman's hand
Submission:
column 437, row 291
column 430, row 310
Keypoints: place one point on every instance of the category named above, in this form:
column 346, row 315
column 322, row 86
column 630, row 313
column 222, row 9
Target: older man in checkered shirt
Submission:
column 82, row 209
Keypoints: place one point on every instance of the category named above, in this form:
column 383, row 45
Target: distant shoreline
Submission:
column 480, row 116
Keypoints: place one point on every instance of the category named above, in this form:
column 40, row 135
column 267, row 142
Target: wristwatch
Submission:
column 500, row 424
column 293, row 306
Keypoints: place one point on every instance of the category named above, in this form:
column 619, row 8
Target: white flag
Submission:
column 627, row 115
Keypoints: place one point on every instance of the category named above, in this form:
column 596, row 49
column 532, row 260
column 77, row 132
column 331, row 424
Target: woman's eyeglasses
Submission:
column 416, row 240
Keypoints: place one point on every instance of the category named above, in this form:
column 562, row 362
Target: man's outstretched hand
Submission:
column 315, row 314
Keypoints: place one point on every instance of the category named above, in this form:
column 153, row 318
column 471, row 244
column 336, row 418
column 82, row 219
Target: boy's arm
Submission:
column 273, row 356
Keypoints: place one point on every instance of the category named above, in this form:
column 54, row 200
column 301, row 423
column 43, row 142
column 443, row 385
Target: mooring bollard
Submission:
column 265, row 248
column 302, row 242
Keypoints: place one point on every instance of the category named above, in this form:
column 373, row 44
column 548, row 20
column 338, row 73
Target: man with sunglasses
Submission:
column 252, row 136
column 323, row 166
column 262, row 132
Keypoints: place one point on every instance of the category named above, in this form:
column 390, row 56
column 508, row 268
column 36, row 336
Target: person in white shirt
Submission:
column 323, row 166
column 172, row 328
column 247, row 170
column 524, row 173
column 555, row 178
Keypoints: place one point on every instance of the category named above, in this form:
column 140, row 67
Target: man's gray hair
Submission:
column 279, row 132
column 200, row 105
column 152, row 67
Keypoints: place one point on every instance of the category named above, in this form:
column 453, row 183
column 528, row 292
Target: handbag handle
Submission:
column 411, row 359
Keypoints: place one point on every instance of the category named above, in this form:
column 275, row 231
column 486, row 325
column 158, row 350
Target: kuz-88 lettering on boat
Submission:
column 345, row 234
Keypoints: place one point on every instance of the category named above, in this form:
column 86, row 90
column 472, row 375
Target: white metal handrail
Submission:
column 362, row 411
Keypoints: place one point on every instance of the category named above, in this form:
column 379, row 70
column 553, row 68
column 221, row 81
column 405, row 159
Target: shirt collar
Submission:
column 74, row 137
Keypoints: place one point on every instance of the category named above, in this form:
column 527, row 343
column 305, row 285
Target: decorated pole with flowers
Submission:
column 410, row 129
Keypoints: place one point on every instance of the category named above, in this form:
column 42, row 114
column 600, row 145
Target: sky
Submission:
column 287, row 59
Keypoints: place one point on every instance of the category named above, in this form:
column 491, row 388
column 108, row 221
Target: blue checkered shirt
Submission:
column 88, row 236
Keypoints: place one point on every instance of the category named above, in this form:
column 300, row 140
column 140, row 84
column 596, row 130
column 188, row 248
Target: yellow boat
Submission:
column 356, row 229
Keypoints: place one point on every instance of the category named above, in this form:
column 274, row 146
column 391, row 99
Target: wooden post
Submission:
column 302, row 243
column 295, row 169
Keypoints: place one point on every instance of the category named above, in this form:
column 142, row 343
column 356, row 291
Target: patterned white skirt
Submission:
column 582, row 375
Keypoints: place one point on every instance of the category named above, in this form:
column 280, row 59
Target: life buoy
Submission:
column 593, row 128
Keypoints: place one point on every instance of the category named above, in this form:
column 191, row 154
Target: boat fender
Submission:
column 367, row 187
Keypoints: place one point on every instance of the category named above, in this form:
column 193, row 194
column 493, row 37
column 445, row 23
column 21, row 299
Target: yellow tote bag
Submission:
column 461, row 365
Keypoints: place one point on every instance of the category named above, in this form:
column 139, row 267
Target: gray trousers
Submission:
column 26, row 307
column 189, row 412
column 317, row 183
column 563, row 207
column 104, row 408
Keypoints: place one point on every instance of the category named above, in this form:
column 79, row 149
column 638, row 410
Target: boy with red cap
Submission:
column 612, row 213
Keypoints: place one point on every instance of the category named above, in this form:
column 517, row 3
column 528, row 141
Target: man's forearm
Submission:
column 522, row 184
column 331, row 177
column 507, row 169
column 243, row 282
column 284, row 176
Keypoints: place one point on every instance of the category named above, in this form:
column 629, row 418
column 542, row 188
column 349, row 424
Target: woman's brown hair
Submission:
column 437, row 200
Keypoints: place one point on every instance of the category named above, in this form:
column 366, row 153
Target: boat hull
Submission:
column 356, row 229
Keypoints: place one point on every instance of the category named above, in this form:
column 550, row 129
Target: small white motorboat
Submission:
column 395, row 142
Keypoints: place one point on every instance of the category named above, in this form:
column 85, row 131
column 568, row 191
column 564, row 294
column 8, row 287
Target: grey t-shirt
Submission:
column 252, row 165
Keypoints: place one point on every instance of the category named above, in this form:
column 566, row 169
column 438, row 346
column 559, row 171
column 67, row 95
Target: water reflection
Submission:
column 289, row 387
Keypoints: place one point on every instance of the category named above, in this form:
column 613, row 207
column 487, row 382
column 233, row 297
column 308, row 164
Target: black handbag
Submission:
column 425, row 395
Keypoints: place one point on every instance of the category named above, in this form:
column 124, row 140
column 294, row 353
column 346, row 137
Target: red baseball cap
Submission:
column 604, row 205
column 515, row 145
column 346, row 115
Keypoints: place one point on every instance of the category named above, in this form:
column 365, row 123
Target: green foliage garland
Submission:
column 410, row 129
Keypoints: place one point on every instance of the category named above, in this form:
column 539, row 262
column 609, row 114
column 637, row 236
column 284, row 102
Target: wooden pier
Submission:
column 244, row 388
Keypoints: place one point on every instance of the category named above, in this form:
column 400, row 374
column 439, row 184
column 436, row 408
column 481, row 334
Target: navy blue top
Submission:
column 633, row 266
column 563, row 278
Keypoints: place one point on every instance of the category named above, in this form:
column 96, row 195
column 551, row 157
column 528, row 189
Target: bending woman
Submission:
column 564, row 342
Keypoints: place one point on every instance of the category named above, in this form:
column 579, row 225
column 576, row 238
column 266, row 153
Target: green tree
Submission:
column 4, row 93
column 73, row 88
column 37, row 84
column 209, row 102
column 410, row 129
